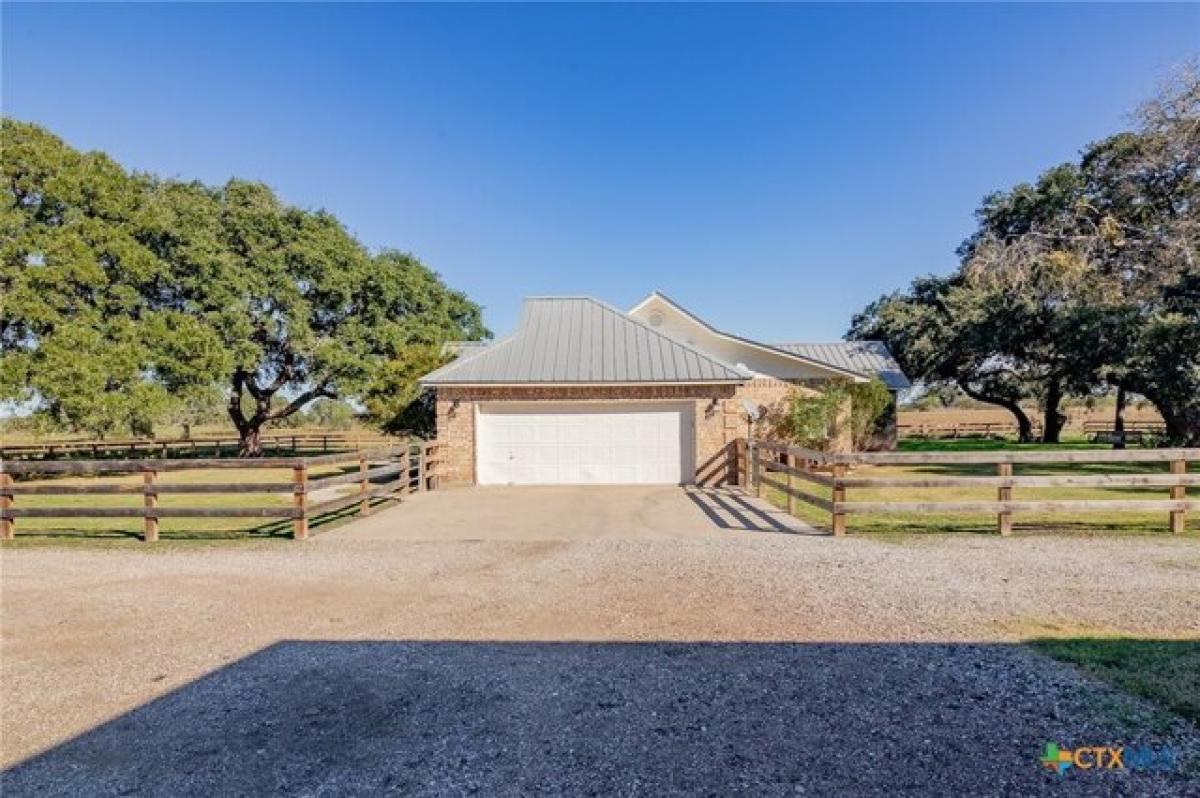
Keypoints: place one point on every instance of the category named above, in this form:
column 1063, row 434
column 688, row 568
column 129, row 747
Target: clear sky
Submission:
column 771, row 167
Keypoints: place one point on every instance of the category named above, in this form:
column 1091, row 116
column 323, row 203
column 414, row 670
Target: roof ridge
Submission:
column 663, row 336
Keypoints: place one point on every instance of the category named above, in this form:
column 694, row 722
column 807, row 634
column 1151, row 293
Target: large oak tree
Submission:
column 1086, row 280
column 123, row 293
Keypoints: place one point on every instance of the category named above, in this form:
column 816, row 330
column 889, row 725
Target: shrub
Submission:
column 812, row 419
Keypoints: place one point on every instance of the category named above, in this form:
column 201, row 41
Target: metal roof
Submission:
column 869, row 358
column 582, row 340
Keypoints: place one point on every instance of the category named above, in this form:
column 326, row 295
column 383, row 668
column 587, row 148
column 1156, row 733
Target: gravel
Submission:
column 721, row 663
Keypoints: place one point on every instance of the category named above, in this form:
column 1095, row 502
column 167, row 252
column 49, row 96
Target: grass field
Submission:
column 1083, row 523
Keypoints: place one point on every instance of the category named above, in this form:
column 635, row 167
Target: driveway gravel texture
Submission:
column 698, row 653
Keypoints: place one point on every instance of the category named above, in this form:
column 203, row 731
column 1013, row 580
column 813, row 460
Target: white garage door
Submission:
column 583, row 444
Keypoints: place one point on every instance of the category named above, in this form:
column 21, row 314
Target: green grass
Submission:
column 995, row 444
column 1164, row 672
column 87, row 531
column 1122, row 523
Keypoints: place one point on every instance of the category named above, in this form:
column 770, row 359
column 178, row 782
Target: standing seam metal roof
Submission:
column 583, row 340
column 869, row 358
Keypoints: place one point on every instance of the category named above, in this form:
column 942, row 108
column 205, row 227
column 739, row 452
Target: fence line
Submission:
column 1099, row 431
column 807, row 465
column 216, row 444
column 403, row 470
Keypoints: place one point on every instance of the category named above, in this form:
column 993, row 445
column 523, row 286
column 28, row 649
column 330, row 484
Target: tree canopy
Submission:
column 1083, row 281
column 127, row 296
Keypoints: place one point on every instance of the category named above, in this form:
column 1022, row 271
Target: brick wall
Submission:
column 719, row 414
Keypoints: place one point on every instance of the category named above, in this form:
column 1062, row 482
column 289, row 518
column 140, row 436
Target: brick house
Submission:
column 582, row 393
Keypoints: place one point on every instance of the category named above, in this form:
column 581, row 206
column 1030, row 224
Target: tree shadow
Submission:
column 509, row 718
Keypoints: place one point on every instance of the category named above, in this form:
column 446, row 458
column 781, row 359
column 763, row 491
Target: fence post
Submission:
column 431, row 472
column 364, row 501
column 150, row 500
column 1178, row 492
column 6, row 503
column 755, row 469
column 300, row 501
column 1004, row 494
column 839, row 496
column 790, row 459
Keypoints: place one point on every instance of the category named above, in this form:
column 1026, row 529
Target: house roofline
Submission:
column 741, row 375
column 854, row 375
column 579, row 383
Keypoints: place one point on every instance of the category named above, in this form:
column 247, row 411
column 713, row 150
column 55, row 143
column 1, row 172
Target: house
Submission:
column 584, row 393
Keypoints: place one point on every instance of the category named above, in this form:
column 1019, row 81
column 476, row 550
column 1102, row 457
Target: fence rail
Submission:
column 959, row 429
column 388, row 472
column 831, row 470
column 217, row 445
column 1099, row 431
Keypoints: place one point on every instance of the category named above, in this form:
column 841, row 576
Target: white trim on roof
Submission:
column 854, row 375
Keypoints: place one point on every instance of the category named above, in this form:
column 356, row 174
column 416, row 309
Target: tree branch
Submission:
column 321, row 391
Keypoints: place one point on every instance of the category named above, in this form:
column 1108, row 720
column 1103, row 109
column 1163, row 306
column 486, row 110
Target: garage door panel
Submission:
column 584, row 444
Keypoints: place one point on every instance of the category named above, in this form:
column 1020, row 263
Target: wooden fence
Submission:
column 382, row 473
column 833, row 471
column 214, row 445
column 1099, row 431
column 960, row 429
column 1134, row 432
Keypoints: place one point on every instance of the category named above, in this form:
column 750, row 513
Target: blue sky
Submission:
column 773, row 168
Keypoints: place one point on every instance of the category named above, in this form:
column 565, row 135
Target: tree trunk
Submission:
column 1052, row 420
column 1119, row 419
column 1024, row 425
column 249, row 429
column 1182, row 422
column 250, row 442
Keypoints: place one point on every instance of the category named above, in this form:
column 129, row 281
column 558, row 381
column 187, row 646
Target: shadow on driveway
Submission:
column 730, row 508
column 499, row 718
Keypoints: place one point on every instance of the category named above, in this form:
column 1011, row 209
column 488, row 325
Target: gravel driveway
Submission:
column 723, row 661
